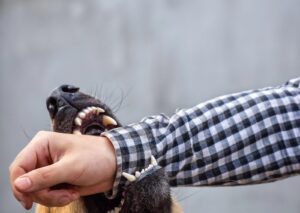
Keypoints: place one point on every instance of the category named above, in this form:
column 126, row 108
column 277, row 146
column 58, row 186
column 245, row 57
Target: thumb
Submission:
column 41, row 178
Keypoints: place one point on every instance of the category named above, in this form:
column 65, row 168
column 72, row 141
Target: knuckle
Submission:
column 46, row 175
column 11, row 168
column 42, row 136
column 41, row 133
column 41, row 177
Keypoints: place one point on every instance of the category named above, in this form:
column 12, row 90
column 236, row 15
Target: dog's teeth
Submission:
column 82, row 115
column 122, row 202
column 94, row 109
column 99, row 110
column 115, row 210
column 137, row 174
column 150, row 166
column 77, row 132
column 78, row 121
column 108, row 121
column 129, row 177
column 143, row 170
column 153, row 161
column 86, row 111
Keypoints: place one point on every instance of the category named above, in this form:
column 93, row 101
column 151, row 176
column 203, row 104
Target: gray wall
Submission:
column 159, row 55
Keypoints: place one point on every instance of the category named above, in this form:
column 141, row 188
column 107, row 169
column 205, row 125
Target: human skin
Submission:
column 86, row 163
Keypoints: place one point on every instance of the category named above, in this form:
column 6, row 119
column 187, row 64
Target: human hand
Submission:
column 86, row 163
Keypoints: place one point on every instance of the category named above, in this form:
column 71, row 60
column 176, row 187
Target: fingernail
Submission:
column 23, row 183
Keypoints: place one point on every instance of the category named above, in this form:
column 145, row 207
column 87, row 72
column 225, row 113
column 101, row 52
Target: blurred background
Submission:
column 153, row 56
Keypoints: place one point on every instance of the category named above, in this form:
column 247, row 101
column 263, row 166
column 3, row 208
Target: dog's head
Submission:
column 75, row 112
column 72, row 111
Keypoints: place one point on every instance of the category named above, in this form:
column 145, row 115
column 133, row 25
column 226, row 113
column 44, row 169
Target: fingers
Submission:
column 42, row 178
column 57, row 198
column 23, row 198
column 28, row 159
column 35, row 154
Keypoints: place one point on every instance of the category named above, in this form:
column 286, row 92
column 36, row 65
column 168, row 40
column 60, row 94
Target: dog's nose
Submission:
column 58, row 98
column 69, row 88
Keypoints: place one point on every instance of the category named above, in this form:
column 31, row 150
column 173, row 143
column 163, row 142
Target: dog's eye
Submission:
column 52, row 106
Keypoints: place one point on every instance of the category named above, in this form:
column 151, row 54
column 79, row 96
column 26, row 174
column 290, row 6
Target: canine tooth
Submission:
column 122, row 202
column 143, row 170
column 100, row 110
column 94, row 109
column 117, row 209
column 153, row 161
column 108, row 121
column 129, row 177
column 137, row 174
column 150, row 166
column 82, row 115
column 78, row 121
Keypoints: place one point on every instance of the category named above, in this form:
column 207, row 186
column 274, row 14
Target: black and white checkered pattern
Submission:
column 243, row 138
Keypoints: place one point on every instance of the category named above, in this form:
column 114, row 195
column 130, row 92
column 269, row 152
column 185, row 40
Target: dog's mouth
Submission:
column 92, row 120
column 74, row 112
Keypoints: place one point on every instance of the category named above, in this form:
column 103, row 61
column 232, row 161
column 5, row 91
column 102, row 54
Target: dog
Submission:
column 72, row 111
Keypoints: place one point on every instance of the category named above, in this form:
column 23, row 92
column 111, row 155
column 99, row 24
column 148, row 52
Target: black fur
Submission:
column 150, row 193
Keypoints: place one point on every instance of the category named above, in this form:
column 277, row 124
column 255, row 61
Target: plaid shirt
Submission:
column 244, row 138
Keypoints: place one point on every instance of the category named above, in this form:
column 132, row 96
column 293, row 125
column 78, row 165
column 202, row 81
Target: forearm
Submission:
column 243, row 138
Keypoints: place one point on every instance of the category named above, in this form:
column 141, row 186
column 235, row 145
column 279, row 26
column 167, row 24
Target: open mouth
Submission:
column 92, row 120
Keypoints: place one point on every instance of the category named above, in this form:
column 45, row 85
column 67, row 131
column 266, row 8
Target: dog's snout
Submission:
column 61, row 97
column 69, row 88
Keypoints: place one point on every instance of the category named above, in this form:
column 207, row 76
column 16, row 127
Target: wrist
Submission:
column 111, row 158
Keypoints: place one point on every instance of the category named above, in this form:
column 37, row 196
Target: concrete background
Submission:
column 158, row 55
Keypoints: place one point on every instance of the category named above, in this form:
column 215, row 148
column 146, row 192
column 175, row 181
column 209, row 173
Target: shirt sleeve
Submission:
column 243, row 138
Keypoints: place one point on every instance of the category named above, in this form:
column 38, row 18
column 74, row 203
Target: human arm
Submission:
column 243, row 138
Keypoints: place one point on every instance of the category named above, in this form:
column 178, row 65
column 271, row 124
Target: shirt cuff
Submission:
column 134, row 144
column 117, row 183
